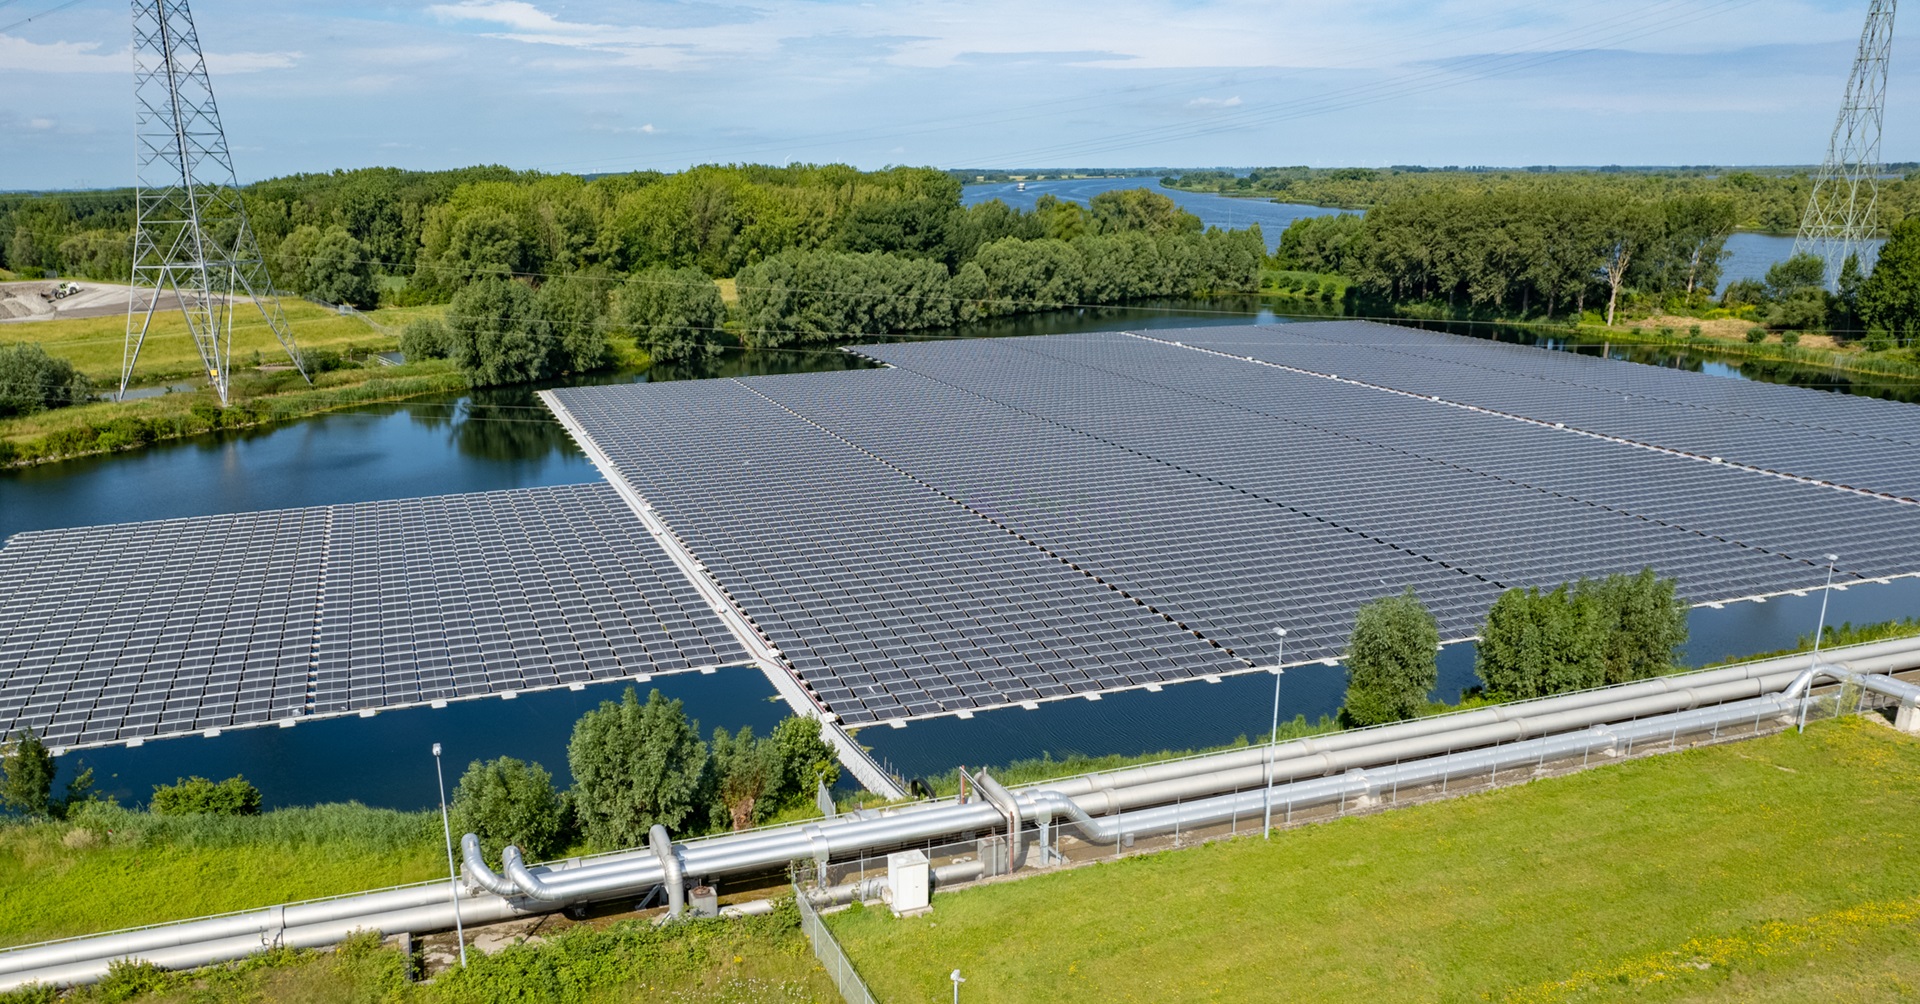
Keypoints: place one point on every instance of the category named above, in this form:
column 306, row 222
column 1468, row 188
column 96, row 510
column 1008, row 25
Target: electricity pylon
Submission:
column 1840, row 216
column 190, row 231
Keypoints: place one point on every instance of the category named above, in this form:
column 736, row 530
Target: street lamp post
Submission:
column 1819, row 629
column 453, row 876
column 1273, row 736
column 957, row 980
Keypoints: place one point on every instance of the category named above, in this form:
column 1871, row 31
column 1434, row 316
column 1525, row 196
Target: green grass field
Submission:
column 1772, row 870
column 118, row 869
column 763, row 960
column 95, row 345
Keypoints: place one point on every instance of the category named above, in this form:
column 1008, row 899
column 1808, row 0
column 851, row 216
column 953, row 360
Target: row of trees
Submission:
column 636, row 764
column 1125, row 245
column 1769, row 200
column 1535, row 643
column 807, row 297
column 1521, row 249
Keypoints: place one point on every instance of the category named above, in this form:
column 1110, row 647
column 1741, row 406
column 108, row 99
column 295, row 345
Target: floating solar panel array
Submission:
column 149, row 629
column 1854, row 441
column 994, row 521
column 887, row 598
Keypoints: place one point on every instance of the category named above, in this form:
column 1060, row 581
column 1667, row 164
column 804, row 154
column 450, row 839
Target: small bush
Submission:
column 424, row 338
column 1790, row 338
column 508, row 801
column 199, row 796
column 1756, row 335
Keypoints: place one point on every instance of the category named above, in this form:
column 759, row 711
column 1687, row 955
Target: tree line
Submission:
column 820, row 252
column 1521, row 250
column 1535, row 643
column 1764, row 199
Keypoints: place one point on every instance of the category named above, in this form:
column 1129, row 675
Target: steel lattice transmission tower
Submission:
column 1840, row 215
column 191, row 235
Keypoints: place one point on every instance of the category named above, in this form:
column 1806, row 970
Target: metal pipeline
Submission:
column 676, row 880
column 1346, row 765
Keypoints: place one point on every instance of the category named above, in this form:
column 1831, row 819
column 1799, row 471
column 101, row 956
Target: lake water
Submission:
column 506, row 439
column 1749, row 255
column 1213, row 210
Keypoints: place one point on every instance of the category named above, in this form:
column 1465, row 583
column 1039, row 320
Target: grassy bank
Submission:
column 111, row 426
column 1777, row 869
column 762, row 960
column 110, row 868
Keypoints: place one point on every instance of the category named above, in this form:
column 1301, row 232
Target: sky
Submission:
column 613, row 85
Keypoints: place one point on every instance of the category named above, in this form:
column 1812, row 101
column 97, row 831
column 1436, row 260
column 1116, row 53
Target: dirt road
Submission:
column 26, row 301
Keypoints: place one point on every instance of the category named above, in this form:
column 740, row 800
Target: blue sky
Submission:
column 605, row 86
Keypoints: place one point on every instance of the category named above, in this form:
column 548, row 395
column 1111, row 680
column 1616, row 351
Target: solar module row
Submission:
column 886, row 598
column 943, row 536
column 1874, row 536
column 1498, row 531
column 148, row 629
column 1853, row 441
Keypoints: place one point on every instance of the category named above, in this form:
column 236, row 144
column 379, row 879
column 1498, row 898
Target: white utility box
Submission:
column 909, row 883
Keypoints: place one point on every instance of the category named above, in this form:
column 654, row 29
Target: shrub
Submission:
column 1790, row 338
column 26, row 775
column 508, row 801
column 199, row 796
column 674, row 314
column 1391, row 660
column 1756, row 335
column 32, row 381
column 635, row 765
column 424, row 338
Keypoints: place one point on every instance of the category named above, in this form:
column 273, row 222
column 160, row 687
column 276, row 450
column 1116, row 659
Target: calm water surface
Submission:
column 499, row 440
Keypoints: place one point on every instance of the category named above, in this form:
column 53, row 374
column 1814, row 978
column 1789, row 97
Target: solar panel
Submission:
column 147, row 629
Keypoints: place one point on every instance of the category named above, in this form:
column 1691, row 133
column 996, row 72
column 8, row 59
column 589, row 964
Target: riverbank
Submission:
column 344, row 350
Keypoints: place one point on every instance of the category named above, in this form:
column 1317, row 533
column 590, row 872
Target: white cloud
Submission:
column 1232, row 102
column 62, row 57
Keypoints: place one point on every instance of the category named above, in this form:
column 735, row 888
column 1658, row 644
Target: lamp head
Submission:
column 436, row 749
column 956, row 977
column 1831, row 558
column 1282, row 632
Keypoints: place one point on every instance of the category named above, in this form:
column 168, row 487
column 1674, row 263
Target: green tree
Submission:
column 1536, row 643
column 635, row 765
column 492, row 334
column 1797, row 293
column 509, row 801
column 802, row 759
column 337, row 271
column 1641, row 624
column 1140, row 209
column 1392, row 660
column 425, row 338
column 26, row 786
column 675, row 314
column 1889, row 299
column 32, row 381
column 744, row 773
column 572, row 313
column 199, row 796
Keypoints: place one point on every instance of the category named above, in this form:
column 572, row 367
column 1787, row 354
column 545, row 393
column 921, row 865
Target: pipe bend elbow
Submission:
column 475, row 873
column 662, row 847
column 525, row 880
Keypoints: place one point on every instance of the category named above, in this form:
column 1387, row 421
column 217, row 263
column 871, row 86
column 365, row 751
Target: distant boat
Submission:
column 1020, row 186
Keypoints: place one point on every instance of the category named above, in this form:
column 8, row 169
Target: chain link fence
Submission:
column 989, row 853
column 827, row 950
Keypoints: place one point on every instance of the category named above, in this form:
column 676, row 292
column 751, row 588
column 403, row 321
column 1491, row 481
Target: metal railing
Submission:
column 839, row 968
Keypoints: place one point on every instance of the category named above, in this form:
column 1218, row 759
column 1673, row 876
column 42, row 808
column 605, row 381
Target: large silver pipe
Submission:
column 424, row 907
column 676, row 880
column 1899, row 651
column 473, row 868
